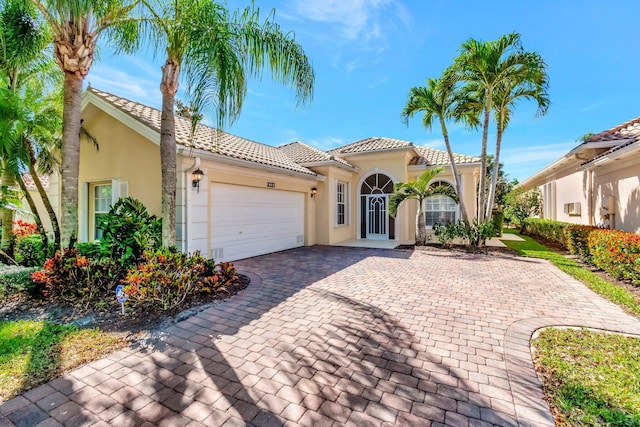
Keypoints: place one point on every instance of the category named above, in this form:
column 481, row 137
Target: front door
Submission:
column 377, row 217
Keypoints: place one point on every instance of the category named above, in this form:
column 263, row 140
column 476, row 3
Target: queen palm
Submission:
column 505, row 97
column 76, row 27
column 419, row 190
column 439, row 100
column 223, row 51
column 489, row 64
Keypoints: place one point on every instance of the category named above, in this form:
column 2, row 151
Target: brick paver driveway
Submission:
column 339, row 336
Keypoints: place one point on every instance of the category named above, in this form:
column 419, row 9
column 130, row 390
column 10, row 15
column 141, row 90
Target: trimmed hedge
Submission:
column 497, row 217
column 553, row 231
column 577, row 238
column 617, row 253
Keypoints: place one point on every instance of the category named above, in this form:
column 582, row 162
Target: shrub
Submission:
column 23, row 229
column 473, row 234
column 576, row 237
column 521, row 204
column 552, row 231
column 29, row 251
column 77, row 280
column 16, row 282
column 497, row 216
column 91, row 250
column 128, row 230
column 617, row 253
column 164, row 279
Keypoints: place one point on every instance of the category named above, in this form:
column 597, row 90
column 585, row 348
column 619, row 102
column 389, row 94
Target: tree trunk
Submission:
column 421, row 232
column 494, row 174
column 454, row 171
column 483, row 158
column 36, row 216
column 168, row 87
column 45, row 200
column 70, row 157
column 8, row 180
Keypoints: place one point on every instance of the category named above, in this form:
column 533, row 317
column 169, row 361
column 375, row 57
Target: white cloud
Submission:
column 145, row 90
column 327, row 142
column 432, row 143
column 538, row 154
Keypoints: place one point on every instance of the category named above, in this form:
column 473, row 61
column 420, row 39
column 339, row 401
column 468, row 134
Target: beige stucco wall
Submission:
column 573, row 188
column 624, row 185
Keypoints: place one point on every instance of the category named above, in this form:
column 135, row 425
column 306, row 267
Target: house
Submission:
column 255, row 198
column 596, row 183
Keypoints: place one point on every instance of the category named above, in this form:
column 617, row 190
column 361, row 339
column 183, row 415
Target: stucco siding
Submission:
column 624, row 186
column 571, row 190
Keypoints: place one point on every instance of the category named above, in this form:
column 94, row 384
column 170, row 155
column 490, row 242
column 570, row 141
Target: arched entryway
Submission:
column 375, row 222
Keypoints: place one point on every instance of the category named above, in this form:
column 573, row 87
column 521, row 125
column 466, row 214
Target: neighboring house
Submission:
column 596, row 183
column 25, row 213
column 255, row 198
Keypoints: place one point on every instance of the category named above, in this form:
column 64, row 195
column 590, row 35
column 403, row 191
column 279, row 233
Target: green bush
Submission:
column 16, row 282
column 497, row 216
column 576, row 237
column 128, row 230
column 473, row 234
column 91, row 250
column 29, row 251
column 164, row 279
column 552, row 231
column 617, row 253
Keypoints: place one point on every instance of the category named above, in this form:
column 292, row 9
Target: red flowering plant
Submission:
column 223, row 275
column 23, row 229
column 617, row 253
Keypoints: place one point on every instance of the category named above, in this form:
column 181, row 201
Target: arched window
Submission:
column 440, row 209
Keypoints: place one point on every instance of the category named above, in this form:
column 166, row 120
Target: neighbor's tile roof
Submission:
column 303, row 153
column 628, row 133
column 432, row 157
column 207, row 138
column 371, row 144
column 28, row 181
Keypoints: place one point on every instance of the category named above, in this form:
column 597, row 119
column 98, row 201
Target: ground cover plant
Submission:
column 590, row 379
column 32, row 352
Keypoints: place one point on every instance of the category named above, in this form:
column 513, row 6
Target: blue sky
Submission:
column 367, row 54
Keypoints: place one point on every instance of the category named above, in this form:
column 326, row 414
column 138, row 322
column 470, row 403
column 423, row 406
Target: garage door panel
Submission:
column 248, row 221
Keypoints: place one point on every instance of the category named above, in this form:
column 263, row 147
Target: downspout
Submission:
column 591, row 209
column 187, row 201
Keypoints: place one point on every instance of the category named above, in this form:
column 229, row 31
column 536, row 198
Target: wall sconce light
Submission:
column 314, row 191
column 196, row 177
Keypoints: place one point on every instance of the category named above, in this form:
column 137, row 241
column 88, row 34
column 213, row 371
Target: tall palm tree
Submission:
column 506, row 95
column 76, row 27
column 489, row 64
column 419, row 190
column 439, row 100
column 223, row 51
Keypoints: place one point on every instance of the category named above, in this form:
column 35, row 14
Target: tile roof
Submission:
column 431, row 157
column 28, row 181
column 371, row 144
column 305, row 154
column 207, row 138
column 627, row 130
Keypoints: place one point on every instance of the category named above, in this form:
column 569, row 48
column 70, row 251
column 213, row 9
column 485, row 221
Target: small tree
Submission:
column 419, row 190
column 522, row 204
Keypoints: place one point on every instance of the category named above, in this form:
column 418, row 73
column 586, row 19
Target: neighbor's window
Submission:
column 341, row 203
column 439, row 209
column 101, row 204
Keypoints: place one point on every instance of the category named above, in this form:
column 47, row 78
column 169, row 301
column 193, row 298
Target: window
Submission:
column 572, row 209
column 102, row 199
column 341, row 203
column 439, row 209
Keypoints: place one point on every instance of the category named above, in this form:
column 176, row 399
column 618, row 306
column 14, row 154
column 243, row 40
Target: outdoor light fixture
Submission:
column 196, row 177
column 314, row 190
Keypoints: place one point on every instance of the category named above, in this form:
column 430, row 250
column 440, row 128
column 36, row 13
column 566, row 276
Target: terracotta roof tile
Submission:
column 371, row 144
column 28, row 181
column 305, row 154
column 627, row 130
column 207, row 138
column 432, row 157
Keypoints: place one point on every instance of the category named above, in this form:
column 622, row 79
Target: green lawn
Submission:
column 593, row 379
column 32, row 352
column 531, row 248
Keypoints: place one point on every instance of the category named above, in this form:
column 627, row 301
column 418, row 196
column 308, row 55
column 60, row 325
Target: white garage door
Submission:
column 249, row 221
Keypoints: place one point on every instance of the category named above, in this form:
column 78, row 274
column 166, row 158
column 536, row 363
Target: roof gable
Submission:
column 305, row 154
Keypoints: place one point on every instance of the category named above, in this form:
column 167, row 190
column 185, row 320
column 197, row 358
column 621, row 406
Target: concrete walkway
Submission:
column 330, row 336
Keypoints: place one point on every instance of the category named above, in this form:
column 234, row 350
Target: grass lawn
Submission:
column 592, row 379
column 33, row 352
column 531, row 248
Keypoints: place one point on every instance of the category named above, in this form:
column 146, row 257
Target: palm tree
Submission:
column 439, row 100
column 76, row 27
column 506, row 95
column 419, row 190
column 223, row 51
column 488, row 65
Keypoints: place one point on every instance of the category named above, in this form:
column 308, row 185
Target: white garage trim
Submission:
column 249, row 221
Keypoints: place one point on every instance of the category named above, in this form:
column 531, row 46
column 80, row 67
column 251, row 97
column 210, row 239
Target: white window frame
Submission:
column 441, row 199
column 344, row 203
column 94, row 201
